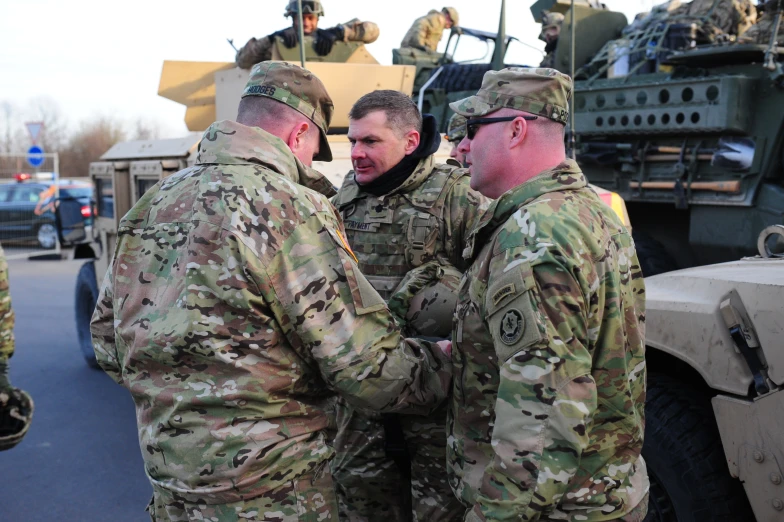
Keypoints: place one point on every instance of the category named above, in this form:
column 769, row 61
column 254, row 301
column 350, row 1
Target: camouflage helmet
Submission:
column 16, row 413
column 550, row 21
column 308, row 7
column 452, row 12
column 456, row 128
column 425, row 300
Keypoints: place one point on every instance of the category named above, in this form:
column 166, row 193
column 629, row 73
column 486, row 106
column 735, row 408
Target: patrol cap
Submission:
column 298, row 88
column 308, row 7
column 544, row 92
column 452, row 12
column 456, row 128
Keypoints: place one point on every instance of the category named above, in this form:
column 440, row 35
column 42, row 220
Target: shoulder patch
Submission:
column 511, row 327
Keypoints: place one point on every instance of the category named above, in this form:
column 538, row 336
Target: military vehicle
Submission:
column 714, row 442
column 684, row 126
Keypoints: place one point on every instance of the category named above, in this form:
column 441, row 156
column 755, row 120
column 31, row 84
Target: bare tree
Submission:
column 55, row 132
column 87, row 144
column 145, row 130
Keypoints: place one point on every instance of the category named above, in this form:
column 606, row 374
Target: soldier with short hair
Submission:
column 16, row 406
column 426, row 31
column 233, row 311
column 455, row 132
column 405, row 215
column 551, row 31
column 260, row 50
column 548, row 399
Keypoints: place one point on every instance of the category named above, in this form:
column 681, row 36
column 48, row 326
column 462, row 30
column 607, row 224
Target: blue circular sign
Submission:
column 35, row 156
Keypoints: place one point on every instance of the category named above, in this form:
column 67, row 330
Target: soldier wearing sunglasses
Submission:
column 547, row 411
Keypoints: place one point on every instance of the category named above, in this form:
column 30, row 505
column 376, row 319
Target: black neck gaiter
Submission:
column 429, row 142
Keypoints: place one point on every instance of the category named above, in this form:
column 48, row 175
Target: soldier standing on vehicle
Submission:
column 426, row 31
column 455, row 132
column 16, row 406
column 551, row 30
column 234, row 309
column 260, row 50
column 402, row 210
column 547, row 408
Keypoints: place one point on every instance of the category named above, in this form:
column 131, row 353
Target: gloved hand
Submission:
column 289, row 36
column 325, row 39
column 5, row 384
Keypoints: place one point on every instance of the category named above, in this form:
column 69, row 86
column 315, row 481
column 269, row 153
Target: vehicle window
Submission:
column 76, row 192
column 5, row 191
column 26, row 194
column 105, row 195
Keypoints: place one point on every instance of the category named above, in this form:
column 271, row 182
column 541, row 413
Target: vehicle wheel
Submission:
column 652, row 255
column 47, row 236
column 690, row 481
column 86, row 298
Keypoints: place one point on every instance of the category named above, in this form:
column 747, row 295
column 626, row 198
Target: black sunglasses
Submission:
column 472, row 125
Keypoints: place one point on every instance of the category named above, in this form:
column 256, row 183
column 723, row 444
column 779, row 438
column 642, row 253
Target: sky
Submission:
column 101, row 58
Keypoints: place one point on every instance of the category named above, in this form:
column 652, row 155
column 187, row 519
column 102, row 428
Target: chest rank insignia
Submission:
column 512, row 326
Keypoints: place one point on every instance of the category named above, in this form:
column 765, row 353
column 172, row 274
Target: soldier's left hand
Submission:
column 325, row 39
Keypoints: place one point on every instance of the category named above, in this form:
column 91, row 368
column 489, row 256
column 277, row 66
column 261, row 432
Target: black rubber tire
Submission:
column 653, row 257
column 86, row 298
column 690, row 481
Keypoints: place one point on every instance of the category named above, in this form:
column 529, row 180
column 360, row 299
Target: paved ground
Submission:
column 81, row 459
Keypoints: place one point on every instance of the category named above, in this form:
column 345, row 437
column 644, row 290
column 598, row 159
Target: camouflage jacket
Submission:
column 425, row 32
column 547, row 415
column 6, row 312
column 427, row 218
column 262, row 49
column 231, row 310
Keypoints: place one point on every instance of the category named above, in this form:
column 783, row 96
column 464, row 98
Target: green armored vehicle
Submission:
column 685, row 125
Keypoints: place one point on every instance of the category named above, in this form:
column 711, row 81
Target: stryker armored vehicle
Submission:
column 686, row 127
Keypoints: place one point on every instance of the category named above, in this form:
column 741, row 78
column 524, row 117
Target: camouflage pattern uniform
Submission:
column 6, row 312
column 233, row 309
column 424, row 220
column 426, row 31
column 456, row 129
column 547, row 411
column 261, row 49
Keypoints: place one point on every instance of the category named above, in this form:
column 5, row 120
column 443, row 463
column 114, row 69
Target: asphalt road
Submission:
column 80, row 461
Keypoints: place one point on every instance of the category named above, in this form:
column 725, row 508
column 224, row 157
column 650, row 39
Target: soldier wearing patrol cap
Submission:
column 547, row 408
column 551, row 31
column 455, row 132
column 16, row 406
column 233, row 311
column 405, row 215
column 260, row 50
column 426, row 31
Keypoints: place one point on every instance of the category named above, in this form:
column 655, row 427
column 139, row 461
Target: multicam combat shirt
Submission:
column 232, row 310
column 547, row 414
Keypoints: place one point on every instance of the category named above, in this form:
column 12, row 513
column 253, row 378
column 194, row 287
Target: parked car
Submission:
column 30, row 210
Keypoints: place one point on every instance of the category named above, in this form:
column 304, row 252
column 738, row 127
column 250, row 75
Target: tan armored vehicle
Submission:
column 714, row 436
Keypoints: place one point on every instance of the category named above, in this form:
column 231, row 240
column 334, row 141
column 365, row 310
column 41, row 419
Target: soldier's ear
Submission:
column 412, row 139
column 519, row 128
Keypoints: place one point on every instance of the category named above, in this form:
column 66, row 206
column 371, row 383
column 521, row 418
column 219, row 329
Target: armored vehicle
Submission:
column 715, row 405
column 685, row 126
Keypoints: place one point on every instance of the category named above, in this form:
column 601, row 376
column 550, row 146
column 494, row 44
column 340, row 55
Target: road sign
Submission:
column 34, row 128
column 35, row 156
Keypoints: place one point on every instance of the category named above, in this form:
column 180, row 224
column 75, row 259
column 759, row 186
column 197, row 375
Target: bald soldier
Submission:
column 426, row 31
column 234, row 311
column 402, row 210
column 547, row 410
column 261, row 49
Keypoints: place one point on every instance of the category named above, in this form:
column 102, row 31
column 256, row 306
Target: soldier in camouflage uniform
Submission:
column 455, row 132
column 261, row 49
column 551, row 31
column 233, row 310
column 547, row 414
column 16, row 407
column 426, row 31
column 402, row 210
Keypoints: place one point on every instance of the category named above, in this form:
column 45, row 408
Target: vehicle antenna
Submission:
column 301, row 34
column 231, row 43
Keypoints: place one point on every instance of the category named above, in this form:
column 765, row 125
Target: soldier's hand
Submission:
column 446, row 347
column 289, row 37
column 5, row 384
column 325, row 39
